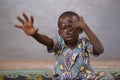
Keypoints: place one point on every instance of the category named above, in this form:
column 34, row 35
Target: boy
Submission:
column 71, row 52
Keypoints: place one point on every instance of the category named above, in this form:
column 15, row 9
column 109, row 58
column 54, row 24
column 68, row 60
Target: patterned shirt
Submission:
column 73, row 63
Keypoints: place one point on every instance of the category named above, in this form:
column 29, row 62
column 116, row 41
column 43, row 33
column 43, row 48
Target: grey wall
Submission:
column 102, row 16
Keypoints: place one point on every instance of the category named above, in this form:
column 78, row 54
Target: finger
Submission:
column 81, row 18
column 20, row 19
column 26, row 17
column 32, row 19
column 72, row 29
column 18, row 26
column 70, row 20
column 36, row 30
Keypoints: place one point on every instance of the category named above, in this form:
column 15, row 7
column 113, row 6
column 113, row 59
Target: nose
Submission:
column 67, row 31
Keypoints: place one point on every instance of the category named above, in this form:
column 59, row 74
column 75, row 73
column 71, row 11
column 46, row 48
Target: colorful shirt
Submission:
column 73, row 63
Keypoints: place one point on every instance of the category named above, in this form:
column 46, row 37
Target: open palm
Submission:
column 27, row 25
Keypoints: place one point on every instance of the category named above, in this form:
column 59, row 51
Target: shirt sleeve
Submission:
column 58, row 45
column 88, row 46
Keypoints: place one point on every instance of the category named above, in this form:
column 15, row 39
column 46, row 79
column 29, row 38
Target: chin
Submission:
column 70, row 41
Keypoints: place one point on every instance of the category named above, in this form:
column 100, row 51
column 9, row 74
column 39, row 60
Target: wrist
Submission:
column 85, row 26
column 35, row 34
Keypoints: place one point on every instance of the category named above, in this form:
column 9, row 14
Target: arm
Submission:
column 97, row 45
column 44, row 40
column 28, row 28
column 82, row 26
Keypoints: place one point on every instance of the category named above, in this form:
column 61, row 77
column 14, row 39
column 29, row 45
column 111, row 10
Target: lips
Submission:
column 69, row 38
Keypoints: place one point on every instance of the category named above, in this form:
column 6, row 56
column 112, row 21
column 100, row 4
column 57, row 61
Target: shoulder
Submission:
column 58, row 39
column 83, row 40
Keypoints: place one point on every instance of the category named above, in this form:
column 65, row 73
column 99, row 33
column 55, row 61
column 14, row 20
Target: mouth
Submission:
column 69, row 38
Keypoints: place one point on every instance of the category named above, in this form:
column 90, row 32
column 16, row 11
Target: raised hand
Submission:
column 27, row 25
column 82, row 23
column 78, row 24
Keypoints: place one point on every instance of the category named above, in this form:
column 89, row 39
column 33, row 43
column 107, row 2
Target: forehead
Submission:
column 64, row 22
column 63, row 19
column 68, row 17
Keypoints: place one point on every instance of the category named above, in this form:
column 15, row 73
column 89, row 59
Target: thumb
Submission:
column 81, row 18
column 36, row 30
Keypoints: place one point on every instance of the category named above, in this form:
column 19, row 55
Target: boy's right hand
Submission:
column 27, row 25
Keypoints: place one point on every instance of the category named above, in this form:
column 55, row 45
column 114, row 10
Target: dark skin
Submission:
column 30, row 30
column 69, row 30
column 75, row 28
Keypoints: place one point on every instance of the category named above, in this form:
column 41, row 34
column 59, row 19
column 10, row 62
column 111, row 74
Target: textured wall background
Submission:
column 102, row 16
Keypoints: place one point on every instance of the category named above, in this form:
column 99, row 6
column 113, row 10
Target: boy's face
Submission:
column 67, row 31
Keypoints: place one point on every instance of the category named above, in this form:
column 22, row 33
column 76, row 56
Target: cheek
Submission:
column 61, row 33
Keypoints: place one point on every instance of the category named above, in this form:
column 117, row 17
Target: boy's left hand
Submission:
column 81, row 24
column 78, row 24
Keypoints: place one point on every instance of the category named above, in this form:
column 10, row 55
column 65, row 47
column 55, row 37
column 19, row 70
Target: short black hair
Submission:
column 68, row 13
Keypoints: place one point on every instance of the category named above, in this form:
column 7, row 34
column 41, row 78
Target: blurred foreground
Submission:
column 40, row 64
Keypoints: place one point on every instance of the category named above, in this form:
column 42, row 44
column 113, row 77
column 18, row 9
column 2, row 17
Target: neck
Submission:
column 72, row 45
